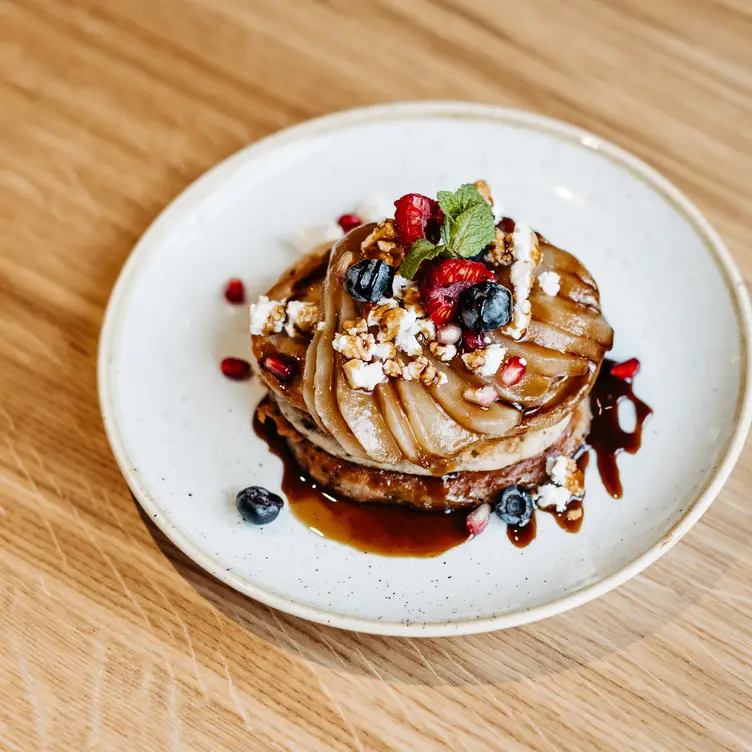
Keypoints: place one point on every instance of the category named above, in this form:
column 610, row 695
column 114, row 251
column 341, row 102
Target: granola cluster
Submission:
column 382, row 244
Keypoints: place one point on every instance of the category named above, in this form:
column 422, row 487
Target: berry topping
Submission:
column 257, row 505
column 235, row 291
column 478, row 519
column 627, row 370
column 513, row 370
column 417, row 217
column 506, row 225
column 515, row 505
column 279, row 365
column 486, row 306
column 445, row 281
column 236, row 369
column 349, row 222
column 369, row 280
column 473, row 340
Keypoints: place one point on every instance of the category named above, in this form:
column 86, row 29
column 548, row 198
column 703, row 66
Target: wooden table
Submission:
column 110, row 639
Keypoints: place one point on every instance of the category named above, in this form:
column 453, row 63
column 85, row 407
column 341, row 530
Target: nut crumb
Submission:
column 444, row 353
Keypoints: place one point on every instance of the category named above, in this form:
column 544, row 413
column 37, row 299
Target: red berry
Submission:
column 417, row 217
column 513, row 370
column 627, row 370
column 235, row 291
column 349, row 222
column 506, row 225
column 443, row 283
column 236, row 369
column 478, row 519
column 473, row 340
column 279, row 366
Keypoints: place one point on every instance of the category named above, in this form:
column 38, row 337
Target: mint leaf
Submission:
column 420, row 251
column 453, row 204
column 471, row 231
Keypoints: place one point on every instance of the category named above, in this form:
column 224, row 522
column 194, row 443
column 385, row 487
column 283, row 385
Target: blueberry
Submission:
column 515, row 505
column 257, row 505
column 486, row 306
column 368, row 280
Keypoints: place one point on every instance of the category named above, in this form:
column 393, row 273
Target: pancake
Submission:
column 451, row 491
column 564, row 346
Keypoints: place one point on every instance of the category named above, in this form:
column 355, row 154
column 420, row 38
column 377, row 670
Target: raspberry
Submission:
column 443, row 283
column 417, row 217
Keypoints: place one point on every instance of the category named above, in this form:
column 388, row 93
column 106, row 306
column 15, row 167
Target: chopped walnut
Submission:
column 564, row 472
column 484, row 361
column 354, row 347
column 573, row 514
column 359, row 326
column 393, row 369
column 301, row 317
column 376, row 314
column 421, row 370
column 500, row 253
column 390, row 323
column 444, row 353
column 382, row 244
column 427, row 329
column 485, row 190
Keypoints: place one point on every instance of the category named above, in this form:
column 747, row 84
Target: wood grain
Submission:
column 110, row 639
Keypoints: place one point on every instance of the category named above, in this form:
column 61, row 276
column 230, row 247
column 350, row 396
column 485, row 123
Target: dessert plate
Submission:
column 182, row 433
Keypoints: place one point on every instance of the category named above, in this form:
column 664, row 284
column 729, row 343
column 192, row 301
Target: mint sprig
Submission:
column 420, row 251
column 467, row 229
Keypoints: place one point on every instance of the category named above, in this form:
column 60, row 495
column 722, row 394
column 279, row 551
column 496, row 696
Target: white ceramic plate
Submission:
column 182, row 433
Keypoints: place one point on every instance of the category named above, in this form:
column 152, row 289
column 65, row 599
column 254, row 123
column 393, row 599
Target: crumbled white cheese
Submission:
column 485, row 361
column 405, row 338
column 400, row 284
column 364, row 375
column 267, row 316
column 383, row 351
column 550, row 283
column 563, row 471
column 527, row 256
column 557, row 468
column 550, row 495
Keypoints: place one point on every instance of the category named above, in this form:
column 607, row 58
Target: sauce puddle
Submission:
column 607, row 438
column 372, row 528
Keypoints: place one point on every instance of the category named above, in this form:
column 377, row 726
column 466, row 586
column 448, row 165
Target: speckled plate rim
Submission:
column 204, row 186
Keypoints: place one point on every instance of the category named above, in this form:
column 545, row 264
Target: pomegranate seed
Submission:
column 449, row 334
column 236, row 369
column 473, row 340
column 349, row 222
column 513, row 370
column 507, row 225
column 627, row 370
column 279, row 366
column 478, row 519
column 235, row 291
